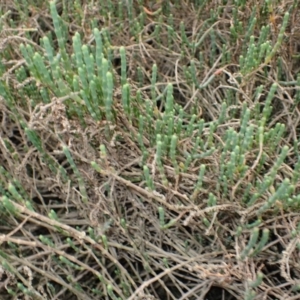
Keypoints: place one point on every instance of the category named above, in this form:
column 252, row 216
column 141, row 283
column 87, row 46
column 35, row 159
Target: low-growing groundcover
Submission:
column 149, row 150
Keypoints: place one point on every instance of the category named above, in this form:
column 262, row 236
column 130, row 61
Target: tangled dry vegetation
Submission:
column 98, row 207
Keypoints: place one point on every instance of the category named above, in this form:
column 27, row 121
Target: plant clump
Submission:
column 149, row 150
